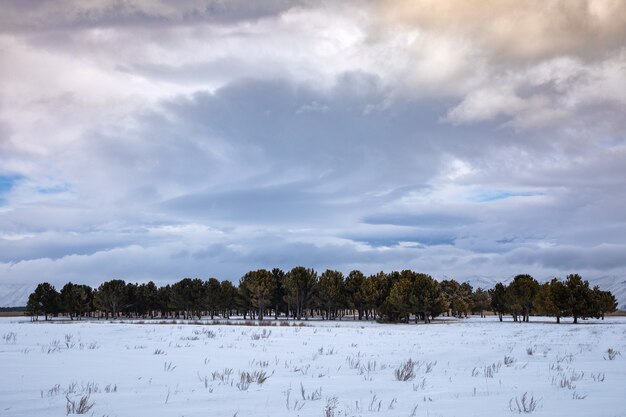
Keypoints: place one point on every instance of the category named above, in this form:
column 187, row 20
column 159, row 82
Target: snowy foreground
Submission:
column 473, row 367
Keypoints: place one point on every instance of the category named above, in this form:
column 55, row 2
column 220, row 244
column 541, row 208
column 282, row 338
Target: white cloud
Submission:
column 157, row 142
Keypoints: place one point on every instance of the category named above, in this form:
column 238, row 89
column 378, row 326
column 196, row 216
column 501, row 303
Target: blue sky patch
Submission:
column 494, row 195
column 7, row 182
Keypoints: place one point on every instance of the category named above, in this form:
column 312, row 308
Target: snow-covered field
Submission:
column 475, row 367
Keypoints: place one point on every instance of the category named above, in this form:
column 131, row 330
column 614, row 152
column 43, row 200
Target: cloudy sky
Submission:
column 158, row 140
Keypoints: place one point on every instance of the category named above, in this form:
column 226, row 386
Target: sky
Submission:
column 156, row 140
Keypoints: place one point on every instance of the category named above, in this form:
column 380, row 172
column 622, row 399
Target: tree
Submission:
column 45, row 299
column 147, row 301
column 481, row 301
column 331, row 292
column 110, row 297
column 397, row 306
column 244, row 294
column 76, row 299
column 213, row 297
column 498, row 299
column 604, row 301
column 33, row 307
column 188, row 296
column 261, row 290
column 164, row 300
column 520, row 295
column 581, row 297
column 458, row 296
column 300, row 285
column 131, row 297
column 228, row 295
column 278, row 296
column 383, row 283
column 426, row 298
column 371, row 296
column 553, row 299
column 354, row 292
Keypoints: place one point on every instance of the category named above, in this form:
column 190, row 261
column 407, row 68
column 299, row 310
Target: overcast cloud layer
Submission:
column 159, row 140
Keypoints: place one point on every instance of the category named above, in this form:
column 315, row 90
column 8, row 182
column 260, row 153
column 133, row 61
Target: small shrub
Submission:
column 255, row 377
column 611, row 354
column 10, row 337
column 509, row 360
column 81, row 407
column 331, row 405
column 599, row 377
column 524, row 405
column 69, row 341
column 314, row 396
column 406, row 371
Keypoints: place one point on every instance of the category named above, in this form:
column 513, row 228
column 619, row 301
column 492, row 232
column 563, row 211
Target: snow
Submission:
column 166, row 369
column 15, row 295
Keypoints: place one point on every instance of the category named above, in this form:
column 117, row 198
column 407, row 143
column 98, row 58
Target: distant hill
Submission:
column 615, row 284
column 15, row 295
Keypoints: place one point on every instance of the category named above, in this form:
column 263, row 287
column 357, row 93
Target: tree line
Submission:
column 301, row 293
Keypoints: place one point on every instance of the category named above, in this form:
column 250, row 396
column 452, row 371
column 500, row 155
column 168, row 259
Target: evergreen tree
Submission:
column 213, row 297
column 45, row 299
column 426, row 299
column 457, row 296
column 520, row 296
column 498, row 300
column 278, row 296
column 581, row 297
column 228, row 295
column 383, row 284
column 76, row 299
column 147, row 299
column 481, row 301
column 244, row 295
column 188, row 296
column 354, row 291
column 300, row 286
column 604, row 302
column 110, row 297
column 331, row 292
column 261, row 289
column 553, row 299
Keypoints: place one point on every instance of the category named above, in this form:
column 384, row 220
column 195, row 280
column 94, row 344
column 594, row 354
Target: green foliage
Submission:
column 553, row 299
column 498, row 299
column 581, row 297
column 520, row 295
column 356, row 296
column 44, row 300
column 76, row 299
column 396, row 296
column 188, row 296
column 111, row 297
column 458, row 296
column 213, row 296
column 261, row 286
column 481, row 301
column 300, row 286
column 332, row 292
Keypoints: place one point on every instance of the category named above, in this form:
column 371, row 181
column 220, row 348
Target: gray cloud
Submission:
column 156, row 141
column 37, row 15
